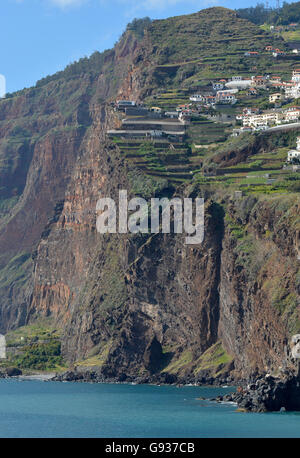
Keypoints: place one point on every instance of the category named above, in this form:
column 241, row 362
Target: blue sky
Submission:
column 40, row 37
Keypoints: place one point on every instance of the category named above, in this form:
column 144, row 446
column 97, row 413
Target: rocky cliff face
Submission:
column 132, row 305
column 47, row 133
column 259, row 293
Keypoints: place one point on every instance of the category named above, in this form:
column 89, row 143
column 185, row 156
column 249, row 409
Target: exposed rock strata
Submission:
column 147, row 307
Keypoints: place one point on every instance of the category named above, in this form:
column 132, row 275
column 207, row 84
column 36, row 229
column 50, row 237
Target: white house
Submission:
column 205, row 99
column 171, row 114
column 197, row 98
column 259, row 81
column 157, row 110
column 292, row 114
column 226, row 96
column 296, row 75
column 292, row 91
column 294, row 153
column 273, row 98
column 217, row 86
column 264, row 119
column 125, row 103
column 247, row 111
column 275, row 79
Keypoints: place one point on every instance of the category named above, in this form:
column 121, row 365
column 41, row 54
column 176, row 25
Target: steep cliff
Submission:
column 133, row 305
column 45, row 132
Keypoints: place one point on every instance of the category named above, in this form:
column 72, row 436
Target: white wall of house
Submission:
column 293, row 154
column 292, row 115
column 263, row 119
column 296, row 76
column 292, row 92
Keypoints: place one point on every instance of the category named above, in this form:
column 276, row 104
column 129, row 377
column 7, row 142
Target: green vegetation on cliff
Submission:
column 34, row 347
column 215, row 359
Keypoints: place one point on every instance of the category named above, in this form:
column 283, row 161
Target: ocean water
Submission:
column 53, row 409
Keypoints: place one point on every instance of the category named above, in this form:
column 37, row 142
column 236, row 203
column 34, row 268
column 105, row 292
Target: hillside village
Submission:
column 226, row 92
column 162, row 138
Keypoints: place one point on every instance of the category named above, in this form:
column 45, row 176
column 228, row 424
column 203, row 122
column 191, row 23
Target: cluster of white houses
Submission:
column 291, row 89
column 154, row 122
column 223, row 96
column 253, row 118
column 224, row 91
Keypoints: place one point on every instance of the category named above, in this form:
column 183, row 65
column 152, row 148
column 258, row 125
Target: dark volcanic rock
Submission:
column 268, row 394
column 13, row 372
column 77, row 376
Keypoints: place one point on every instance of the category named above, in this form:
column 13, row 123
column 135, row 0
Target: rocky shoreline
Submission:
column 265, row 393
column 94, row 376
column 10, row 372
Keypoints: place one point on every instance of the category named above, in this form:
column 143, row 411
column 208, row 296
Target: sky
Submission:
column 41, row 37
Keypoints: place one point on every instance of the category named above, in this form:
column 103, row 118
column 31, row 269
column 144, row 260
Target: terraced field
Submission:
column 161, row 158
column 260, row 173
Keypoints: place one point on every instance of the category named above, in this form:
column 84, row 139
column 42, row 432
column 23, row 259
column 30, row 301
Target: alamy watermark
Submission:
column 155, row 216
column 2, row 86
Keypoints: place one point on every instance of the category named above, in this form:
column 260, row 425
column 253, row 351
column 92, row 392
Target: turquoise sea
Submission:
column 53, row 409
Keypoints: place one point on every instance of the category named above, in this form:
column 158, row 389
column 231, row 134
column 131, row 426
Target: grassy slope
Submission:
column 212, row 41
column 34, row 347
